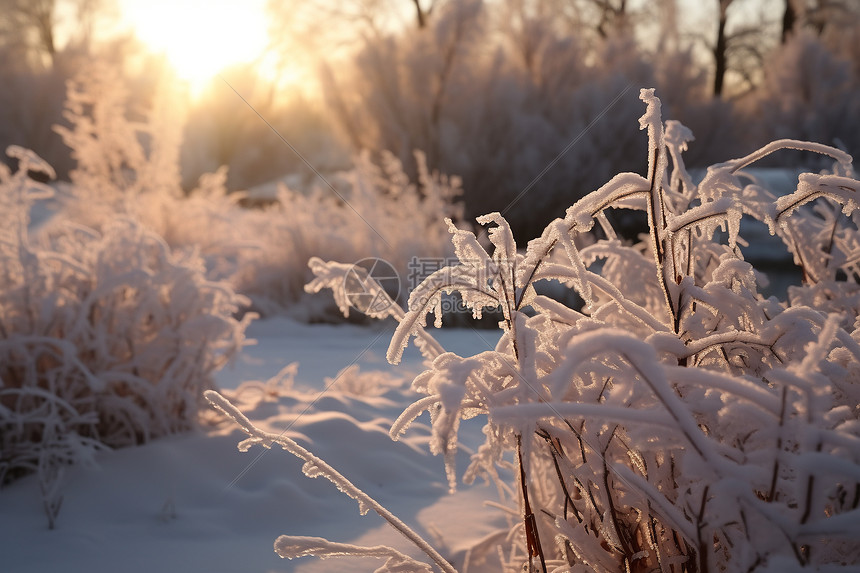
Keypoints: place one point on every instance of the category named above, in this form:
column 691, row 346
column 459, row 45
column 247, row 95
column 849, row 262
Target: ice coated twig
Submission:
column 316, row 467
column 292, row 546
column 333, row 275
column 736, row 164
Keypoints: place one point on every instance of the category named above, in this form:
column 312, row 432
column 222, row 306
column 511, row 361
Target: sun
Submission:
column 200, row 38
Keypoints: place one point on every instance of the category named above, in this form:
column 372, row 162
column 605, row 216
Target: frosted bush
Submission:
column 678, row 421
column 107, row 338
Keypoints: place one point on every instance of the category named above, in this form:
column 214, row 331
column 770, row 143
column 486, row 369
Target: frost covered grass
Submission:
column 132, row 167
column 678, row 420
column 265, row 252
column 108, row 338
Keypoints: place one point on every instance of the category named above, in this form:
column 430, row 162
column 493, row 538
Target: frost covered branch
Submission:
column 293, row 546
column 315, row 467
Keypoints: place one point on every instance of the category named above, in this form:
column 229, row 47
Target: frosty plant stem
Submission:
column 315, row 467
column 656, row 199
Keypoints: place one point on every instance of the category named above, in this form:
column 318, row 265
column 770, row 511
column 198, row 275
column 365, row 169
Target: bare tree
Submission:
column 745, row 33
column 524, row 25
column 603, row 18
column 29, row 27
column 613, row 15
column 789, row 19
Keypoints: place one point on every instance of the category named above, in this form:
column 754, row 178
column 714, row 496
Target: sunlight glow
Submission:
column 200, row 38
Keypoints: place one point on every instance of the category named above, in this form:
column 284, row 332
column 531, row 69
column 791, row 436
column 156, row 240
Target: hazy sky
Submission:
column 199, row 37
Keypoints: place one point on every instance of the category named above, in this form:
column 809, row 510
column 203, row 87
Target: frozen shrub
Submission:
column 678, row 420
column 107, row 338
column 809, row 92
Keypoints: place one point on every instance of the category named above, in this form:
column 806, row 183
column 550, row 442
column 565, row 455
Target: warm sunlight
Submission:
column 200, row 38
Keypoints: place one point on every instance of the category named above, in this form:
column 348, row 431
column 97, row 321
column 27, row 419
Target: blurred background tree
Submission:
column 528, row 100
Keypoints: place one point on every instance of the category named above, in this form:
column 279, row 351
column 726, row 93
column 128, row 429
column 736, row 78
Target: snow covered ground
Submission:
column 194, row 503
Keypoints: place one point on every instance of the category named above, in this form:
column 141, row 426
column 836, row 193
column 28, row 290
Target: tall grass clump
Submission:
column 263, row 252
column 108, row 337
column 370, row 210
column 678, row 420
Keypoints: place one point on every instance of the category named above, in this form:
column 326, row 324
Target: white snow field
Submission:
column 194, row 503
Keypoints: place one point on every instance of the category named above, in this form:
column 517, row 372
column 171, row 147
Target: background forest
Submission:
column 493, row 92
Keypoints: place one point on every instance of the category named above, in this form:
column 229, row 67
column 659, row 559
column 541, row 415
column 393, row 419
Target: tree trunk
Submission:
column 789, row 17
column 720, row 58
column 420, row 14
